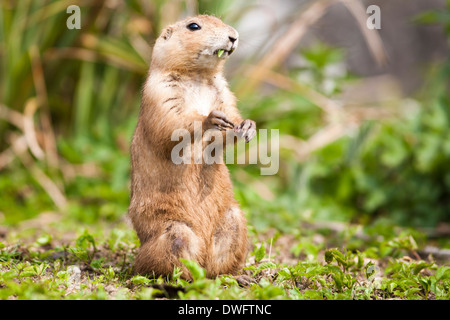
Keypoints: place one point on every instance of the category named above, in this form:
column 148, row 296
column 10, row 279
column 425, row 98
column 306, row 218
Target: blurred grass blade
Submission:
column 286, row 43
column 84, row 98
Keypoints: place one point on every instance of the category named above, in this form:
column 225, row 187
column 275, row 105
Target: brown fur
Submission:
column 187, row 210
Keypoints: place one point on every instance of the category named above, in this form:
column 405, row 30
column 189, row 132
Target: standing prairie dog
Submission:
column 187, row 210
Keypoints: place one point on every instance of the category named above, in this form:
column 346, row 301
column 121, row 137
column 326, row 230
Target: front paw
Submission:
column 247, row 129
column 218, row 120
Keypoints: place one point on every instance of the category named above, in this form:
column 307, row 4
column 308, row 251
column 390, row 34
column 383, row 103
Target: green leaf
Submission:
column 328, row 256
column 338, row 280
column 419, row 267
column 313, row 295
column 337, row 255
column 97, row 264
column 285, row 273
column 140, row 280
column 259, row 252
column 267, row 265
column 80, row 253
column 392, row 286
column 371, row 269
column 194, row 268
column 333, row 268
column 426, row 283
column 85, row 238
column 43, row 240
column 443, row 273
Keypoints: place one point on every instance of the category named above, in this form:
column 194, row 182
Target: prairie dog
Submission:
column 187, row 210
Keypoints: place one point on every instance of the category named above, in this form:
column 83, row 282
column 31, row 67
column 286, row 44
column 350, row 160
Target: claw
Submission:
column 247, row 129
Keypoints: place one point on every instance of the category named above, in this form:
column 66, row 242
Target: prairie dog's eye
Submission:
column 193, row 26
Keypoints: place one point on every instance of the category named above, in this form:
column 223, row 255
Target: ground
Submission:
column 47, row 258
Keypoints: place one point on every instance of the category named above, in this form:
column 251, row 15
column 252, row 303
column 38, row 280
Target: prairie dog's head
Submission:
column 200, row 43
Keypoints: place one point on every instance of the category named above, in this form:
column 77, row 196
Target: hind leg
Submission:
column 229, row 244
column 160, row 255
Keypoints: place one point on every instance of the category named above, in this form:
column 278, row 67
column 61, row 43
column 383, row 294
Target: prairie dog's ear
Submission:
column 167, row 33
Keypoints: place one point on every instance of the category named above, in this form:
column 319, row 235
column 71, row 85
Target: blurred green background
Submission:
column 363, row 115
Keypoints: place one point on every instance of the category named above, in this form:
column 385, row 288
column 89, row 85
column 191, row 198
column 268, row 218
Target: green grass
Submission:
column 98, row 265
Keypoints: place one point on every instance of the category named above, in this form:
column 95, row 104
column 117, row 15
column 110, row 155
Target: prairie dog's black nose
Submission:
column 232, row 39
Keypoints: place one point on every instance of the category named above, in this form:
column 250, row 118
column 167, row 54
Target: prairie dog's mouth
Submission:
column 223, row 52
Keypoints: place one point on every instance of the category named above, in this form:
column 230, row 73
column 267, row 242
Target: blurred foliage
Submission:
column 396, row 168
